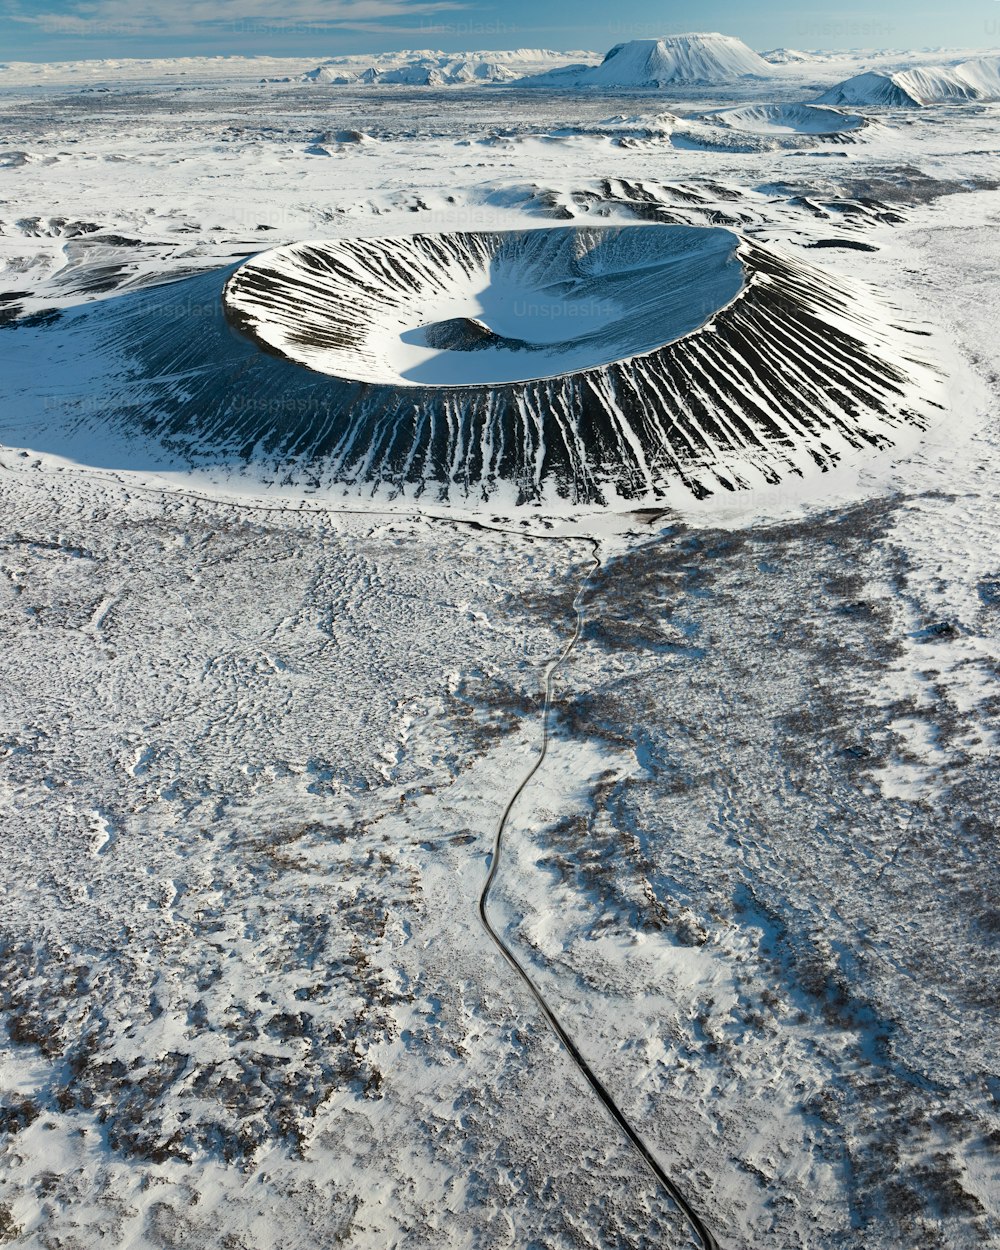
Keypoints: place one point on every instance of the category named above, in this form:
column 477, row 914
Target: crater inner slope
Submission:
column 532, row 303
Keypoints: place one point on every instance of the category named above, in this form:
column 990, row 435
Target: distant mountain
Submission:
column 927, row 84
column 425, row 68
column 792, row 56
column 678, row 59
column 440, row 72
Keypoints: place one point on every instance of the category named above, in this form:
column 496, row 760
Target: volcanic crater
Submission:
column 560, row 366
column 589, row 363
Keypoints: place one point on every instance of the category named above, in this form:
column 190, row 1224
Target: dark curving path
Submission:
column 701, row 1232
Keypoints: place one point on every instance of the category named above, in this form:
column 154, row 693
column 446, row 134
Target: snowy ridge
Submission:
column 977, row 79
column 435, row 69
column 799, row 370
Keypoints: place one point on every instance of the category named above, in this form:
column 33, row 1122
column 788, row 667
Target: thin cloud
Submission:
column 187, row 17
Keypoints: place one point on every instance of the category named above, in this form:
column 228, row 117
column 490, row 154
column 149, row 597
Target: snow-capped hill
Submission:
column 872, row 88
column 926, row 84
column 677, row 59
column 983, row 74
column 324, row 74
column 933, row 85
column 480, row 71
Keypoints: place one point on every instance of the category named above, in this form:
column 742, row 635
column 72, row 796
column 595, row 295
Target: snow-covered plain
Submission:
column 260, row 727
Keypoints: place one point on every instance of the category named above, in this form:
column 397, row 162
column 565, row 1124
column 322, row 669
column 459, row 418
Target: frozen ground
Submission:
column 256, row 745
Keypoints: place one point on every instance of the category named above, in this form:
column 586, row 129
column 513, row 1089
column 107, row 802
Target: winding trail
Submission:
column 702, row 1233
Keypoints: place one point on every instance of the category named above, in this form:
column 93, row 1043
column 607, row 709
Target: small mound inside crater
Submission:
column 487, row 308
column 465, row 334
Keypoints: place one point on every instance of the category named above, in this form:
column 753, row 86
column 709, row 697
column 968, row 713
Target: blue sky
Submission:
column 64, row 29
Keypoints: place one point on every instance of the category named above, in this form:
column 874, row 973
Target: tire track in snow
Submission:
column 702, row 1233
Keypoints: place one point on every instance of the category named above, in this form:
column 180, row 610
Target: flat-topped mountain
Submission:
column 674, row 59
